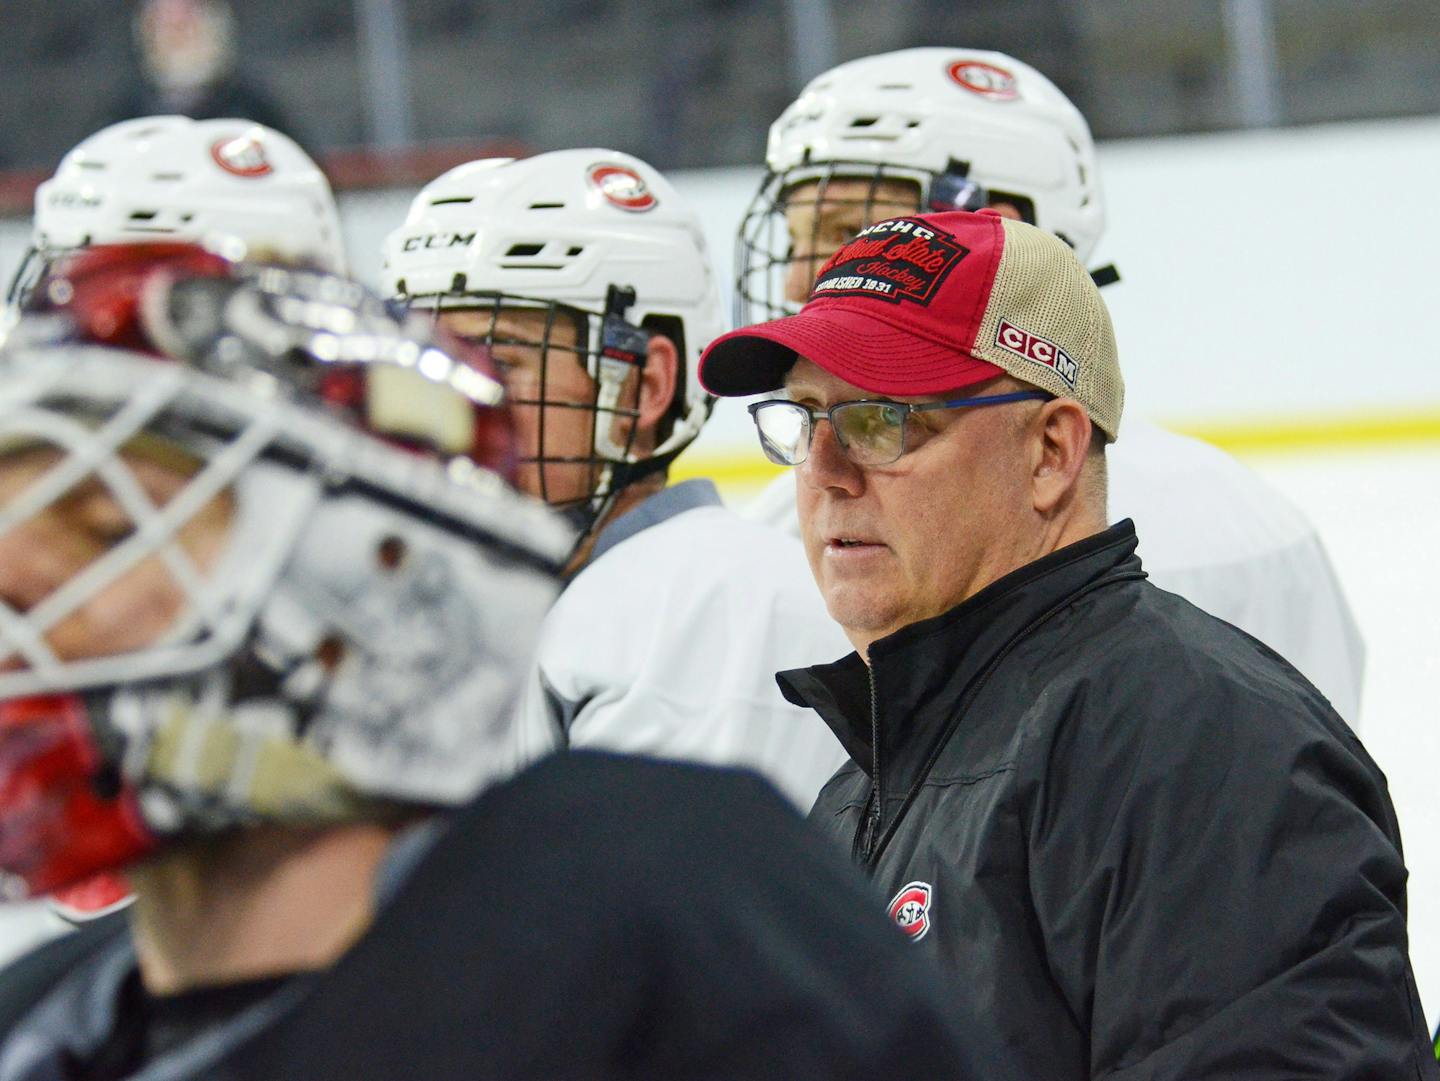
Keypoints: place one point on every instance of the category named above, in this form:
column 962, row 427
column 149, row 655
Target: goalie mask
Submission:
column 163, row 178
column 258, row 561
column 928, row 129
column 565, row 265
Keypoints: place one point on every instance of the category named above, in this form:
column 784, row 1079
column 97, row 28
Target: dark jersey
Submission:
column 596, row 917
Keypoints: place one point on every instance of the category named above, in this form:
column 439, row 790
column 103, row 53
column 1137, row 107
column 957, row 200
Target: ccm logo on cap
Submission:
column 1037, row 350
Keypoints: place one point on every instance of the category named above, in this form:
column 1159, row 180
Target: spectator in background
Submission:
column 187, row 59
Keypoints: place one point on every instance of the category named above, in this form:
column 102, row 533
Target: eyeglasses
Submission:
column 870, row 432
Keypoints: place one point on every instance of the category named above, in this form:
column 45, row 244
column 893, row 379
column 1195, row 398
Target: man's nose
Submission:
column 827, row 465
column 31, row 559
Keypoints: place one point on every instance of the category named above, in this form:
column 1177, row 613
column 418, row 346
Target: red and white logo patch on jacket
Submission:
column 910, row 910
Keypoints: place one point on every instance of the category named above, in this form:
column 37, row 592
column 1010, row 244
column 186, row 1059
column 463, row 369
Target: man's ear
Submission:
column 1063, row 428
column 657, row 381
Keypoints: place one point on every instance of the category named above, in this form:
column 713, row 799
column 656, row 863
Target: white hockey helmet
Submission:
column 163, row 178
column 594, row 231
column 966, row 125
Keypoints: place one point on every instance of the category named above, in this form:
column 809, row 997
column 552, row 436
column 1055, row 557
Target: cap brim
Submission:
column 866, row 352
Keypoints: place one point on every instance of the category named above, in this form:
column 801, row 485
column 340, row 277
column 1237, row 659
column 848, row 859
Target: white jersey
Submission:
column 667, row 644
column 1215, row 533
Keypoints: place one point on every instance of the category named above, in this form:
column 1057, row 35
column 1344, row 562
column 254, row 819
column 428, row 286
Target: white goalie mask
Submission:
column 354, row 640
column 928, row 129
column 603, row 244
column 232, row 184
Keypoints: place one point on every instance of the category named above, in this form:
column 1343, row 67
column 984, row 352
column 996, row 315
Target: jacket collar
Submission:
column 921, row 671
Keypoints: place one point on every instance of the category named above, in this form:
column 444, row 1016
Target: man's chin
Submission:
column 861, row 618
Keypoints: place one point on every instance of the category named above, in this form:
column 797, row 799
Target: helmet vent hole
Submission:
column 574, row 251
column 547, row 206
column 143, row 215
column 896, row 86
column 452, row 199
column 912, row 124
column 864, row 121
column 523, row 250
column 98, row 165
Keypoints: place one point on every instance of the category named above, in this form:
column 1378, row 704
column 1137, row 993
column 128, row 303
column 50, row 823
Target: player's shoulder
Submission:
column 710, row 545
column 1194, row 504
column 717, row 531
column 30, row 978
column 1149, row 450
column 613, row 812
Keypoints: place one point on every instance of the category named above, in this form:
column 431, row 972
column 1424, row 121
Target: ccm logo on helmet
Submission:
column 430, row 241
column 1036, row 349
column 984, row 79
column 623, row 187
column 911, row 910
column 242, row 156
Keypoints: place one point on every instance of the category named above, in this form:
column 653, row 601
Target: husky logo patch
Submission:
column 1037, row 350
column 911, row 910
column 242, row 156
column 900, row 259
column 987, row 80
column 623, row 187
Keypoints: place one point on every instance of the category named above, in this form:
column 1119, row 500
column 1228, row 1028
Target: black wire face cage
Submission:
column 801, row 216
column 22, row 283
column 558, row 363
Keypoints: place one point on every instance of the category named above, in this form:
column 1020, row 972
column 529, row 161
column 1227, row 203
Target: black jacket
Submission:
column 1140, row 842
column 599, row 917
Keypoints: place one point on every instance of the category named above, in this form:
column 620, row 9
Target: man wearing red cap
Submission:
column 1142, row 841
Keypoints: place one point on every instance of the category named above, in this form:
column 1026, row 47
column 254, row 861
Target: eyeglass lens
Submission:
column 784, row 431
column 871, row 433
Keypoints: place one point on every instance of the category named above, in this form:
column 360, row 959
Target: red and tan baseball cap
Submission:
column 934, row 302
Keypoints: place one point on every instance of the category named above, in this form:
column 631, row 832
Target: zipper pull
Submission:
column 872, row 832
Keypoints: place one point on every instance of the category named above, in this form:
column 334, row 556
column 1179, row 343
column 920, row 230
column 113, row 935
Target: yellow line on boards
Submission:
column 1319, row 433
column 749, row 468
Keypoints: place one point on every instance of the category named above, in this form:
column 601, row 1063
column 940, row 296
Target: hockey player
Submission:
column 587, row 277
column 231, row 183
column 267, row 597
column 940, row 128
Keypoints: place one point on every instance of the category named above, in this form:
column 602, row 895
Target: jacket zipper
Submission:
column 869, row 831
